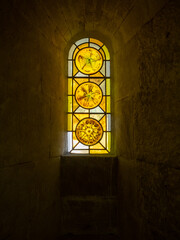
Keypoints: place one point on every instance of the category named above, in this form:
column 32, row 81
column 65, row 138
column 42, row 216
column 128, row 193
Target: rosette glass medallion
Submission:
column 89, row 60
column 89, row 131
column 88, row 95
column 89, row 98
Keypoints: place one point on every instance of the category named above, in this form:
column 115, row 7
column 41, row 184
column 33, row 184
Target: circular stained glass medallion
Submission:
column 89, row 131
column 88, row 95
column 89, row 60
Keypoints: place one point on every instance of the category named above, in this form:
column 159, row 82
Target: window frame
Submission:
column 106, row 60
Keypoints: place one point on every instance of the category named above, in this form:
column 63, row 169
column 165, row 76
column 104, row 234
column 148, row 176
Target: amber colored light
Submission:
column 88, row 95
column 89, row 131
column 88, row 60
column 89, row 98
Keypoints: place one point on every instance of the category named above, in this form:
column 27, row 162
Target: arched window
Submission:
column 89, row 98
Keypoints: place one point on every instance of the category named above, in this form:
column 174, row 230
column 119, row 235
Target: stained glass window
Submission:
column 89, row 98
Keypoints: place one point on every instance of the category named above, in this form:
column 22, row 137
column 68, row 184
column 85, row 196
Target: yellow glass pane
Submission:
column 96, row 41
column 88, row 95
column 75, row 122
column 89, row 131
column 103, row 123
column 106, row 52
column 98, row 74
column 69, row 122
column 88, row 60
column 83, row 45
column 75, row 70
column 75, row 85
column 81, row 80
column 108, row 87
column 69, row 103
column 102, row 104
column 75, row 52
column 109, row 141
column 108, row 104
column 69, row 86
column 81, row 116
column 75, row 140
column 99, row 152
column 98, row 81
column 75, row 105
column 97, row 146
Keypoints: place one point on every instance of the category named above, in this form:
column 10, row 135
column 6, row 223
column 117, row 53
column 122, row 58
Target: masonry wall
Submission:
column 32, row 123
column 148, row 125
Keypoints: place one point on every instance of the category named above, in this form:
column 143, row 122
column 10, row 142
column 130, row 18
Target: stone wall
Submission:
column 148, row 127
column 32, row 122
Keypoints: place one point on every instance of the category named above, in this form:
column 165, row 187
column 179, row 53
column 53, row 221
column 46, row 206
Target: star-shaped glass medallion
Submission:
column 89, row 60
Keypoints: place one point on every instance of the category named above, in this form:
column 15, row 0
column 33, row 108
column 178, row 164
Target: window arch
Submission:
column 89, row 98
